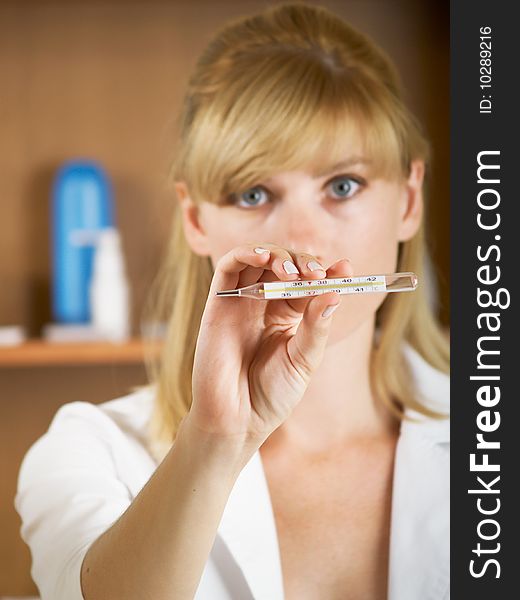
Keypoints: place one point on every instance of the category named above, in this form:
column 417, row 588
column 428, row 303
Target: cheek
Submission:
column 381, row 255
column 371, row 243
column 224, row 235
column 227, row 232
column 373, row 249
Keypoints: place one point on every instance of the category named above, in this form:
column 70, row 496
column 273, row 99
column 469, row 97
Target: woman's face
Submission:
column 344, row 213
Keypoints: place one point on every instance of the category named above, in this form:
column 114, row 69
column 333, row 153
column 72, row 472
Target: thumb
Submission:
column 307, row 346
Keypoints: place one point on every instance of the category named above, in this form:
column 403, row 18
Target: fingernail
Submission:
column 329, row 310
column 315, row 266
column 260, row 250
column 290, row 267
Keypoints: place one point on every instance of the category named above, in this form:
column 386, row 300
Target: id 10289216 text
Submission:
column 485, row 105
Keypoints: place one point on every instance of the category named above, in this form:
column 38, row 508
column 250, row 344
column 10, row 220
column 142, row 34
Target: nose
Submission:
column 301, row 229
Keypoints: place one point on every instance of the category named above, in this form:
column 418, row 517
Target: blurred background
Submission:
column 104, row 81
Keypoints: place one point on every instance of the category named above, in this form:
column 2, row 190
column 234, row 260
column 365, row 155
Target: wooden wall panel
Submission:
column 29, row 398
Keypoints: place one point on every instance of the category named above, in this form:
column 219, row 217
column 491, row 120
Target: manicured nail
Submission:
column 329, row 310
column 260, row 250
column 315, row 266
column 290, row 267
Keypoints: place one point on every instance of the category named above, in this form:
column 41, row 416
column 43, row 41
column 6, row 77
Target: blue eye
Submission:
column 344, row 187
column 251, row 197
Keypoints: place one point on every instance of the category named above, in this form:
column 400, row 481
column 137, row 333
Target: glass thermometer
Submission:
column 281, row 290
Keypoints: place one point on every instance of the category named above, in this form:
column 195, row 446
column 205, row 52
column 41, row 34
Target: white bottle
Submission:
column 109, row 295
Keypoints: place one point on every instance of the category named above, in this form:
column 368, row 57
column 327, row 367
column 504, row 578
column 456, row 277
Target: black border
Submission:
column 471, row 133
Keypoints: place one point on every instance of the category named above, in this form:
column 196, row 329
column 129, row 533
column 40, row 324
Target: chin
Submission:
column 354, row 314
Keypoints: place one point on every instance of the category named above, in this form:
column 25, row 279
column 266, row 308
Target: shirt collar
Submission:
column 248, row 529
column 433, row 388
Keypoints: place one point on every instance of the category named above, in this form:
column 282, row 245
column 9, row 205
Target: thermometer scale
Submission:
column 283, row 290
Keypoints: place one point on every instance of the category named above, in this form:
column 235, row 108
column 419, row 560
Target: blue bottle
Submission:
column 81, row 205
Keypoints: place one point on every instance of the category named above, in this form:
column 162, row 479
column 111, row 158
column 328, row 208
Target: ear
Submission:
column 191, row 220
column 412, row 203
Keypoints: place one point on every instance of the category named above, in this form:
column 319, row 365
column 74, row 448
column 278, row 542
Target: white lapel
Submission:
column 248, row 529
column 419, row 537
column 420, row 526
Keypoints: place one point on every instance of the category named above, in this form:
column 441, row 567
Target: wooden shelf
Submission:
column 35, row 353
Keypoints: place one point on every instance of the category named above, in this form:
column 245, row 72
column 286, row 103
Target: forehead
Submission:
column 347, row 161
column 241, row 155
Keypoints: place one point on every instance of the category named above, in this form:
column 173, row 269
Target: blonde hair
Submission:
column 277, row 91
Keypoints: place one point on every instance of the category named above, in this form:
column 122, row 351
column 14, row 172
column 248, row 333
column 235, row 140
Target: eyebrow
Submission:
column 344, row 164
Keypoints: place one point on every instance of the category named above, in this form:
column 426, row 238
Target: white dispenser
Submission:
column 109, row 293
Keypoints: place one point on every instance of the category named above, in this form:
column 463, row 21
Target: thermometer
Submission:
column 282, row 290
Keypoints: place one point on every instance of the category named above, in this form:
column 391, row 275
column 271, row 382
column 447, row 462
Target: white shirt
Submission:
column 78, row 478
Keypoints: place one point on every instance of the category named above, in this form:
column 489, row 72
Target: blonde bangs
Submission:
column 289, row 114
column 293, row 87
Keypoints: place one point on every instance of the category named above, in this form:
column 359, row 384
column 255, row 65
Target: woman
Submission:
column 301, row 455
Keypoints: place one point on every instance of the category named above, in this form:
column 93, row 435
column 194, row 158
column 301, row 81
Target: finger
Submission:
column 253, row 275
column 287, row 265
column 341, row 268
column 241, row 266
column 309, row 266
column 282, row 263
column 233, row 263
column 307, row 346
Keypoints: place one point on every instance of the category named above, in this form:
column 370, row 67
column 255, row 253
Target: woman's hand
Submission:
column 254, row 359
